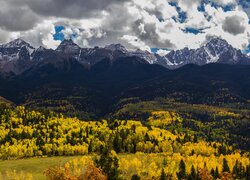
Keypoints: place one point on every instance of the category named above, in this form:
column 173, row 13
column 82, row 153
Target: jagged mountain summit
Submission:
column 18, row 56
column 215, row 51
column 17, row 43
column 15, row 56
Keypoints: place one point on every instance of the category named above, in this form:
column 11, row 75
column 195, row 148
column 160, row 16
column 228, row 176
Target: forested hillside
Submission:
column 148, row 149
column 94, row 93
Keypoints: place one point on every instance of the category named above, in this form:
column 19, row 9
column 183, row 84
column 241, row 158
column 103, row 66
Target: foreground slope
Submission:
column 150, row 147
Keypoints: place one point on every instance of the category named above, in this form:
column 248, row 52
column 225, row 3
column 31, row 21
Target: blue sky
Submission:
column 58, row 33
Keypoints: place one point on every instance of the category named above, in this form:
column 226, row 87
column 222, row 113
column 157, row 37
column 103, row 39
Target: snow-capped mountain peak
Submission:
column 13, row 48
column 17, row 43
column 150, row 57
column 218, row 42
column 67, row 44
column 217, row 50
column 114, row 47
column 10, row 51
column 217, row 46
column 69, row 48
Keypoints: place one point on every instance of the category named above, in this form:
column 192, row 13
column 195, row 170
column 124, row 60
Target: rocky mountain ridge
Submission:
column 18, row 56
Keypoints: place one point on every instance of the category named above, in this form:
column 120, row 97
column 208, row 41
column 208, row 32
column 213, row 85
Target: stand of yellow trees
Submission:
column 139, row 150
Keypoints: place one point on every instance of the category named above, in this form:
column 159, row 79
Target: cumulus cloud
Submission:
column 141, row 24
column 17, row 18
column 234, row 25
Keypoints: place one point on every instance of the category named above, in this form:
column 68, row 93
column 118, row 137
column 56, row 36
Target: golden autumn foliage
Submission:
column 163, row 118
column 14, row 175
column 77, row 169
column 145, row 149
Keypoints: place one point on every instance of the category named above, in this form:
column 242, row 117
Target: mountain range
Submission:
column 19, row 56
column 94, row 82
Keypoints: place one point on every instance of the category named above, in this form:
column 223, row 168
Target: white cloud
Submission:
column 135, row 42
column 41, row 34
column 141, row 24
column 197, row 19
column 162, row 52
